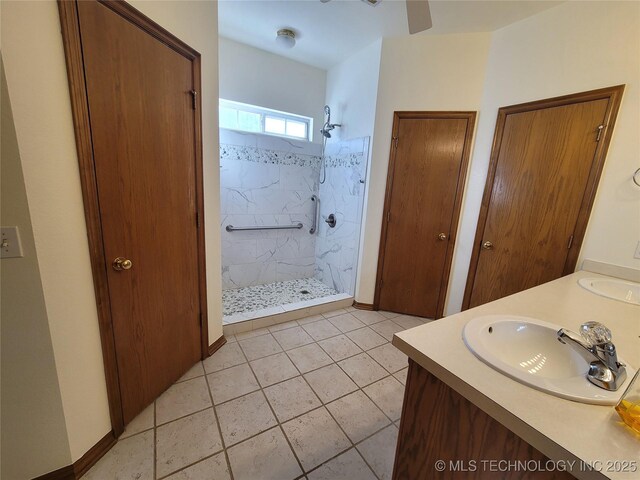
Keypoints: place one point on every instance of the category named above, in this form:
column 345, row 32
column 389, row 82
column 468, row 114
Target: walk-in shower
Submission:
column 289, row 241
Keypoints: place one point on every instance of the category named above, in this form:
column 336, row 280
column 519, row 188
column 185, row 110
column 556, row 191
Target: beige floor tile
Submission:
column 244, row 417
column 366, row 338
column 273, row 369
column 389, row 314
column 387, row 329
column 265, row 456
column 368, row 317
column 186, row 441
column 388, row 394
column 231, row 338
column 231, row 383
column 193, row 372
column 315, row 437
column 347, row 466
column 229, row 355
column 401, row 376
column 292, row 338
column 311, row 319
column 346, row 322
column 330, row 383
column 144, row 421
column 130, row 459
column 213, row 468
column 309, row 357
column 362, row 369
column 380, row 450
column 182, row 399
column 339, row 347
column 357, row 415
column 321, row 329
column 333, row 313
column 252, row 333
column 282, row 326
column 408, row 321
column 291, row 398
column 389, row 357
column 259, row 347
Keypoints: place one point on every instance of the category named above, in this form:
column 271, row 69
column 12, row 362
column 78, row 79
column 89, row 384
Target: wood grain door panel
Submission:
column 423, row 189
column 546, row 163
column 144, row 145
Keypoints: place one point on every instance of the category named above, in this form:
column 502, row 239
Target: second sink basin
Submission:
column 621, row 290
column 527, row 350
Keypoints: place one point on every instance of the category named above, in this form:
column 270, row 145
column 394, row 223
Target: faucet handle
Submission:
column 595, row 333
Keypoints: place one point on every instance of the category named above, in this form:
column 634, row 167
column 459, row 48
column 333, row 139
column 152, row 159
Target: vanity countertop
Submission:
column 559, row 428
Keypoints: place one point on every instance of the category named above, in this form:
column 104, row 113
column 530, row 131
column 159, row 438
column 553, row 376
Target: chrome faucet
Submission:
column 594, row 344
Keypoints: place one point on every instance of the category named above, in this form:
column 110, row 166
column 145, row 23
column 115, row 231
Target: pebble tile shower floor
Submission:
column 317, row 399
column 248, row 299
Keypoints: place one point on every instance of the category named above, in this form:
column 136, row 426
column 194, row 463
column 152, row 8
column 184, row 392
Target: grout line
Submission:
column 279, row 424
column 215, row 414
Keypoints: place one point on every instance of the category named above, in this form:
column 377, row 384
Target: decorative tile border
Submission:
column 262, row 155
column 344, row 160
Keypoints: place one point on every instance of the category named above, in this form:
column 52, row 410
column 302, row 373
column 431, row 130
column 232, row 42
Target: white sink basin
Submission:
column 528, row 351
column 621, row 290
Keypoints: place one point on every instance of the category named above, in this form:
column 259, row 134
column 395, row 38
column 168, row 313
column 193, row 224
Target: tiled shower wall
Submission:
column 341, row 194
column 266, row 181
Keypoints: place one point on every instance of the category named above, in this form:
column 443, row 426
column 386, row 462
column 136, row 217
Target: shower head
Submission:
column 328, row 126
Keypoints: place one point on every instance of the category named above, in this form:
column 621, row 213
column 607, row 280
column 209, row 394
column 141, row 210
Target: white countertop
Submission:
column 559, row 428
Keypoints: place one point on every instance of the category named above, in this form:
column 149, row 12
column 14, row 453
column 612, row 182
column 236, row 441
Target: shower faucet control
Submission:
column 331, row 220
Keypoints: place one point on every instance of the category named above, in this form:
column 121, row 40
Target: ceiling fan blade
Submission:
column 418, row 16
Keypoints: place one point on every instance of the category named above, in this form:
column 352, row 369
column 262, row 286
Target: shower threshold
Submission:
column 248, row 303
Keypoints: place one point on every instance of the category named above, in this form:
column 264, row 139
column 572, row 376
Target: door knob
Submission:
column 442, row 236
column 121, row 263
column 487, row 245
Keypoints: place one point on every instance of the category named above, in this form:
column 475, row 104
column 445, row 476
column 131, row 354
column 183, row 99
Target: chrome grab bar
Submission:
column 314, row 227
column 231, row 228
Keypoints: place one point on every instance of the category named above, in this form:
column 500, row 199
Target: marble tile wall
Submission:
column 267, row 181
column 336, row 249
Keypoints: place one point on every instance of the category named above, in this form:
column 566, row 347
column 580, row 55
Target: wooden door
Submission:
column 429, row 157
column 145, row 140
column 546, row 163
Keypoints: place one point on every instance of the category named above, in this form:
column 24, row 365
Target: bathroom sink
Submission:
column 621, row 290
column 527, row 350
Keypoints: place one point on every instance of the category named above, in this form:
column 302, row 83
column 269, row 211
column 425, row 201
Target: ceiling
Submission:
column 328, row 33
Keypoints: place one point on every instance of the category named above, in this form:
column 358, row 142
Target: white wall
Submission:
column 42, row 114
column 570, row 48
column 31, row 405
column 422, row 72
column 254, row 76
column 352, row 93
column 352, row 90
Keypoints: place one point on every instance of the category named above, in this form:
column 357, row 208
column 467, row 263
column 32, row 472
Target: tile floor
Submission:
column 317, row 399
column 259, row 297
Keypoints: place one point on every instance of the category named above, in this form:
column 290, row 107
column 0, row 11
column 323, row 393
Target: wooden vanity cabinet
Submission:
column 439, row 424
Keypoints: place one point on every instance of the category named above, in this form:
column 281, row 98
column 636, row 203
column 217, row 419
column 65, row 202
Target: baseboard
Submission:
column 84, row 463
column 363, row 306
column 213, row 348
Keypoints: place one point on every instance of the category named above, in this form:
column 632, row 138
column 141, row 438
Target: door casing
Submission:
column 614, row 95
column 470, row 116
column 69, row 20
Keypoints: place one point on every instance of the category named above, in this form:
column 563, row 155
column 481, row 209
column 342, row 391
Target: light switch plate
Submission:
column 10, row 246
column 637, row 254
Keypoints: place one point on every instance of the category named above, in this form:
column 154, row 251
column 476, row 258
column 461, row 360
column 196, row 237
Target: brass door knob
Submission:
column 121, row 263
column 487, row 245
column 442, row 236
